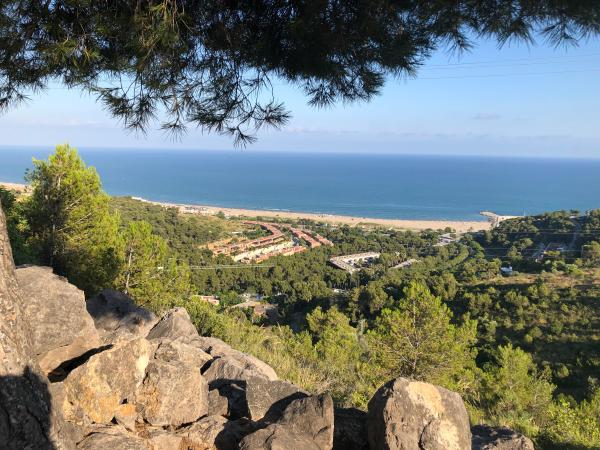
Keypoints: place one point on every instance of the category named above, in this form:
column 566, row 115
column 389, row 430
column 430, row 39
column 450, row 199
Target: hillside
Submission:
column 103, row 373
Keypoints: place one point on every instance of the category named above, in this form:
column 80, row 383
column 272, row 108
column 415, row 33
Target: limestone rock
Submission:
column 126, row 415
column 27, row 419
column 181, row 350
column 101, row 384
column 118, row 318
column 499, row 438
column 212, row 432
column 217, row 348
column 218, row 405
column 63, row 329
column 159, row 439
column 114, row 437
column 175, row 323
column 172, row 394
column 306, row 424
column 350, row 429
column 265, row 396
column 407, row 414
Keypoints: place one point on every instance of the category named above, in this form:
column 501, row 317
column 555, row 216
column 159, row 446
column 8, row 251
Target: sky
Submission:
column 516, row 101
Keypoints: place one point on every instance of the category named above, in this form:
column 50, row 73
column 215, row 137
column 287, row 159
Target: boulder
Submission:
column 63, row 329
column 100, row 385
column 159, row 439
column 218, row 405
column 172, row 394
column 117, row 318
column 27, row 419
column 180, row 350
column 174, row 324
column 499, row 438
column 350, row 429
column 265, row 397
column 233, row 368
column 114, row 437
column 217, row 348
column 126, row 415
column 306, row 424
column 407, row 414
column 212, row 432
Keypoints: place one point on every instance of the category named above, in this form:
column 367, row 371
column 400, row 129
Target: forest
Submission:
column 521, row 345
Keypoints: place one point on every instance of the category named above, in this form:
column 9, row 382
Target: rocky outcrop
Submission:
column 63, row 330
column 306, row 423
column 407, row 414
column 350, row 429
column 27, row 419
column 120, row 378
column 172, row 394
column 100, row 385
column 174, row 324
column 117, row 318
column 218, row 348
column 499, row 438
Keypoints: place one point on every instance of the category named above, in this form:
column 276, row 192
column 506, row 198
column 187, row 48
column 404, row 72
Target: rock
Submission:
column 405, row 414
column 179, row 350
column 218, row 405
column 126, row 415
column 233, row 368
column 499, row 438
column 63, row 329
column 235, row 393
column 74, row 423
column 211, row 432
column 114, row 437
column 159, row 439
column 101, row 384
column 265, row 396
column 117, row 318
column 27, row 419
column 172, row 394
column 350, row 429
column 175, row 323
column 306, row 424
column 217, row 348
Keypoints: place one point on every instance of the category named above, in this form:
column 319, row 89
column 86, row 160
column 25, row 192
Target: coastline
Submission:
column 333, row 219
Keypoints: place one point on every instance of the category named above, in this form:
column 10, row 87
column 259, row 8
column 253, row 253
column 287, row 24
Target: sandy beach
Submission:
column 405, row 224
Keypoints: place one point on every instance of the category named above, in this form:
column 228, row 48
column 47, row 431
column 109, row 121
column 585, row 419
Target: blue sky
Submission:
column 518, row 100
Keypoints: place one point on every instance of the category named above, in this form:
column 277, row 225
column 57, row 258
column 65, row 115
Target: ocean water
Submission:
column 366, row 185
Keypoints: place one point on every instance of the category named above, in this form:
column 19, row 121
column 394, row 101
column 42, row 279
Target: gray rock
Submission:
column 180, row 350
column 27, row 419
column 100, row 385
column 218, row 405
column 172, row 394
column 350, row 429
column 63, row 329
column 405, row 414
column 159, row 439
column 118, row 318
column 265, row 397
column 232, row 368
column 499, row 438
column 175, row 323
column 212, row 432
column 217, row 348
column 306, row 424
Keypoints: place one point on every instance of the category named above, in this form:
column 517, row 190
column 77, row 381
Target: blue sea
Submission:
column 366, row 185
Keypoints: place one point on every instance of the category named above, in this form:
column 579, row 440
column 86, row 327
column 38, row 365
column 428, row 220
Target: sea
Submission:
column 392, row 186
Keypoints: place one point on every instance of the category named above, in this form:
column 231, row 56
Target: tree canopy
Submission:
column 211, row 63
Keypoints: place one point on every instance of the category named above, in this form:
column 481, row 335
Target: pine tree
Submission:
column 70, row 225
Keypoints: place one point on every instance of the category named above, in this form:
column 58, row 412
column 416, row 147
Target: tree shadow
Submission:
column 25, row 412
